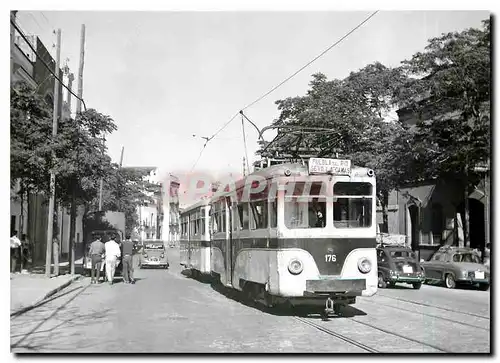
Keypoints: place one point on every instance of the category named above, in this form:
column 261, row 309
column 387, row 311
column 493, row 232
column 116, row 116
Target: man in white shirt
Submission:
column 113, row 253
column 15, row 245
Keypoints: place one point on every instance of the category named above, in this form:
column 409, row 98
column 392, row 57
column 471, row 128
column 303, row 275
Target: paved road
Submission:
column 166, row 311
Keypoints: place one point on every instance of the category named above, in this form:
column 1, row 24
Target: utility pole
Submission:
column 71, row 77
column 72, row 230
column 121, row 156
column 12, row 41
column 50, row 219
column 80, row 70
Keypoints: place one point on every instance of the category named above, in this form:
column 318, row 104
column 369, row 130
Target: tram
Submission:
column 195, row 238
column 300, row 235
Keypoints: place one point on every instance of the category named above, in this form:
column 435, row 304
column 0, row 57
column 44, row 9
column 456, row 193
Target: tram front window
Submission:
column 352, row 205
column 305, row 210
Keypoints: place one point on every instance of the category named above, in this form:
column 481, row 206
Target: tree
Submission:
column 30, row 144
column 30, row 140
column 350, row 114
column 81, row 160
column 452, row 135
column 125, row 189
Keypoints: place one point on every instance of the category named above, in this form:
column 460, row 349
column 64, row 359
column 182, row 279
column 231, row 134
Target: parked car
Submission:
column 398, row 264
column 154, row 254
column 457, row 265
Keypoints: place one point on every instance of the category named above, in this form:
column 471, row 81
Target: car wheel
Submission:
column 417, row 285
column 381, row 283
column 484, row 287
column 449, row 281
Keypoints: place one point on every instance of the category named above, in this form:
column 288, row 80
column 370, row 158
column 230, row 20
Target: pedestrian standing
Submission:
column 128, row 268
column 112, row 252
column 15, row 245
column 26, row 247
column 96, row 254
column 55, row 254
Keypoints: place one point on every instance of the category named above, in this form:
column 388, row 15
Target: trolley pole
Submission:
column 50, row 219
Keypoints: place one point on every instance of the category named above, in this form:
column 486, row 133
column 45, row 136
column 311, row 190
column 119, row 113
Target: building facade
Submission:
column 28, row 67
column 171, row 211
column 432, row 213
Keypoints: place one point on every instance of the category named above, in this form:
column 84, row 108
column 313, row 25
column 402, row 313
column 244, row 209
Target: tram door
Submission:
column 229, row 240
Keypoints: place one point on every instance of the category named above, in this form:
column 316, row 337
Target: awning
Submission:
column 419, row 195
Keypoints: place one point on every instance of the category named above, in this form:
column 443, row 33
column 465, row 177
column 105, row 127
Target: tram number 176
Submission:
column 330, row 258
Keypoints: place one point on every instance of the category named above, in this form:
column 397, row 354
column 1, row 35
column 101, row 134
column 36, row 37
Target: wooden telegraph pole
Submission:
column 72, row 231
column 50, row 219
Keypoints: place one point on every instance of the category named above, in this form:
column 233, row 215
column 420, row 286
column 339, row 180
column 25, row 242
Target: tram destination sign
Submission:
column 333, row 166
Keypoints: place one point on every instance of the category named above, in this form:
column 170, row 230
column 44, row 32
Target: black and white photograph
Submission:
column 251, row 181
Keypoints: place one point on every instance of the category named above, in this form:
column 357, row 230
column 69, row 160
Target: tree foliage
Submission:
column 30, row 139
column 452, row 133
column 125, row 189
column 446, row 87
column 81, row 156
column 352, row 111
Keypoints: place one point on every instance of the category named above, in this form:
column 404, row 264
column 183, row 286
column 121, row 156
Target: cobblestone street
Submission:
column 166, row 311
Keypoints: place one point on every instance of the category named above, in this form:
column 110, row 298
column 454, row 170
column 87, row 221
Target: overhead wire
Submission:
column 311, row 61
column 290, row 77
column 45, row 64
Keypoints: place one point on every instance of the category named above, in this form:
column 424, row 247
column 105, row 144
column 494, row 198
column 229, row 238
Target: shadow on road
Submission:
column 198, row 277
column 37, row 342
column 284, row 309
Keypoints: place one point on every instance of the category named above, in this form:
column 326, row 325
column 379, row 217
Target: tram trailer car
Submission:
column 311, row 245
column 195, row 238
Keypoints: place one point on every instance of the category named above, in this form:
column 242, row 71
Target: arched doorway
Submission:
column 476, row 223
column 413, row 210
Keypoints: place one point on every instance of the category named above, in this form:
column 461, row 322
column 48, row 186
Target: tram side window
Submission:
column 236, row 219
column 223, row 217
column 305, row 210
column 273, row 214
column 243, row 214
column 213, row 218
column 259, row 212
column 352, row 205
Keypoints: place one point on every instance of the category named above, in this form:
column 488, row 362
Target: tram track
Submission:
column 362, row 345
column 436, row 307
column 434, row 316
column 337, row 335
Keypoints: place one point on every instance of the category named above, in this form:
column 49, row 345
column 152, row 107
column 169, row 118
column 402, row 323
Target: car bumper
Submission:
column 473, row 281
column 407, row 279
column 154, row 263
column 351, row 287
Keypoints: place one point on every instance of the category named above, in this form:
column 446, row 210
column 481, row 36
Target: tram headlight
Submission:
column 295, row 266
column 364, row 265
column 370, row 172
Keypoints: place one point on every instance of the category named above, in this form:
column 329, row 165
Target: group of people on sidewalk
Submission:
column 20, row 252
column 111, row 252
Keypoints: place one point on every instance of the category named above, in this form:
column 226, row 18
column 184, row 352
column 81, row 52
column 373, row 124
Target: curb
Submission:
column 46, row 296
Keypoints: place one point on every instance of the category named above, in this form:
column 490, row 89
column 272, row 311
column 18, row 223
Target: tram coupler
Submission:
column 329, row 308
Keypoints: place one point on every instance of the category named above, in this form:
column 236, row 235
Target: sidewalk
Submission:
column 29, row 289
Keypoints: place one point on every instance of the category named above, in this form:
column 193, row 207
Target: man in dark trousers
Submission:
column 96, row 253
column 127, row 253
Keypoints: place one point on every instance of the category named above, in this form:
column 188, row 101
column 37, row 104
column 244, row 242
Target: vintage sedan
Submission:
column 154, row 254
column 456, row 265
column 398, row 264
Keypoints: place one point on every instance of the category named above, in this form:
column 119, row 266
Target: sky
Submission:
column 170, row 78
